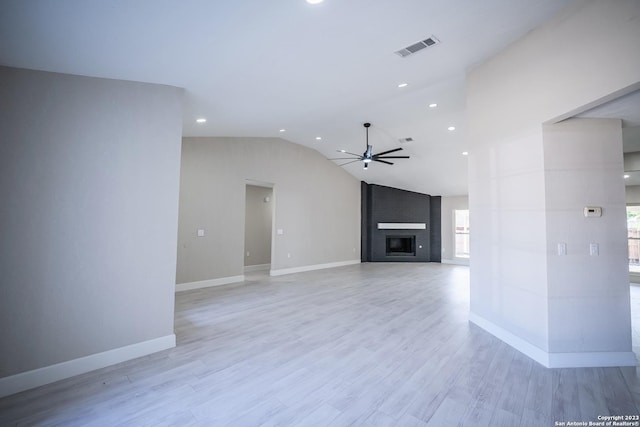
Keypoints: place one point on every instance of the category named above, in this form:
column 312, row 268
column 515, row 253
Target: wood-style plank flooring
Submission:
column 369, row 345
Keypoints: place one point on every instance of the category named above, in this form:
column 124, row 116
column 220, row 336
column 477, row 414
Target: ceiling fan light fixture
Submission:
column 369, row 156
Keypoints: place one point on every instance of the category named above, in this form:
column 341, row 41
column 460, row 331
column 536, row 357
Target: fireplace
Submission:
column 401, row 245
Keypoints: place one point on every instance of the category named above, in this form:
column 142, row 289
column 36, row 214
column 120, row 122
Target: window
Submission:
column 633, row 236
column 461, row 224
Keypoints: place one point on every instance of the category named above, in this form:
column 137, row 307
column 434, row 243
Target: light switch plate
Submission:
column 562, row 248
column 593, row 249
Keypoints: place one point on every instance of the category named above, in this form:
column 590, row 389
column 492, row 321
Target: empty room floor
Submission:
column 370, row 344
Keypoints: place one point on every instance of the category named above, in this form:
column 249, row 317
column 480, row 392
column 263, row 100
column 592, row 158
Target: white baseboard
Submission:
column 304, row 268
column 457, row 261
column 41, row 376
column 605, row 359
column 257, row 267
column 556, row 360
column 536, row 353
column 180, row 287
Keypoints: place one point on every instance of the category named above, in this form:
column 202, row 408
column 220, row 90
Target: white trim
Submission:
column 257, row 267
column 608, row 359
column 256, row 183
column 180, row 287
column 304, row 268
column 455, row 261
column 41, row 376
column 556, row 360
column 402, row 226
column 536, row 353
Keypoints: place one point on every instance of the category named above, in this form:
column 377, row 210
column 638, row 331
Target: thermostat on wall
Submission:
column 592, row 211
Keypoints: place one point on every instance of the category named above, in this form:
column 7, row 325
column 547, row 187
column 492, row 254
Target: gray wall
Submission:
column 258, row 225
column 633, row 194
column 317, row 206
column 89, row 178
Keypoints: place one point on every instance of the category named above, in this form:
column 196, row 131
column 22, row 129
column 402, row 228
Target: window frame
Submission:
column 461, row 233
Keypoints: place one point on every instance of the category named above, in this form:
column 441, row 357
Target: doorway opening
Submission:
column 258, row 229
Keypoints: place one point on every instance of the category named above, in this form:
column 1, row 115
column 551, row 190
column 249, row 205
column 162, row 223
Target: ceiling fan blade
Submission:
column 387, row 152
column 382, row 161
column 346, row 152
column 346, row 158
column 353, row 161
column 391, row 157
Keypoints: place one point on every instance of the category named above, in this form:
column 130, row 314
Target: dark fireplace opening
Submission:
column 401, row 245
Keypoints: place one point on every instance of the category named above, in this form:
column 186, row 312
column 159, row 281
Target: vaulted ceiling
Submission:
column 254, row 67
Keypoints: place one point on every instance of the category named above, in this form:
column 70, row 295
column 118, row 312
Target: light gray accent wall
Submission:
column 258, row 225
column 584, row 167
column 317, row 206
column 449, row 205
column 509, row 97
column 89, row 179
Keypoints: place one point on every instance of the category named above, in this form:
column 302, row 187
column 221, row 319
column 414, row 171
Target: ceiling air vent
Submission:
column 405, row 140
column 417, row 47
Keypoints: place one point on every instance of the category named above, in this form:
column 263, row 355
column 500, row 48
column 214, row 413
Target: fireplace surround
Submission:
column 399, row 225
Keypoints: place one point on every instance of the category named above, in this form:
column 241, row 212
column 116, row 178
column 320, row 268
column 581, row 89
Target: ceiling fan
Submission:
column 368, row 156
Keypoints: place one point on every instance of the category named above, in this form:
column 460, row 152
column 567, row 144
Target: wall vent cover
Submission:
column 405, row 140
column 417, row 47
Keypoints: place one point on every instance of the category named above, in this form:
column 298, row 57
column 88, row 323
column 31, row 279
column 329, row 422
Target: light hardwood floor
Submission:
column 370, row 344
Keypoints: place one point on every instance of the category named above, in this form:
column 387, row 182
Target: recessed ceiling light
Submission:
column 314, row 1
column 465, row 153
column 403, row 84
column 283, row 130
column 318, row 138
column 626, row 177
column 434, row 105
column 451, row 128
column 201, row 120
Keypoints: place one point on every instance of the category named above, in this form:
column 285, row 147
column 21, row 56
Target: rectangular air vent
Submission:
column 405, row 140
column 417, row 47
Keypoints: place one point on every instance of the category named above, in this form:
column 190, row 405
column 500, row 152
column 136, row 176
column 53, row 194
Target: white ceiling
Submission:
column 252, row 67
